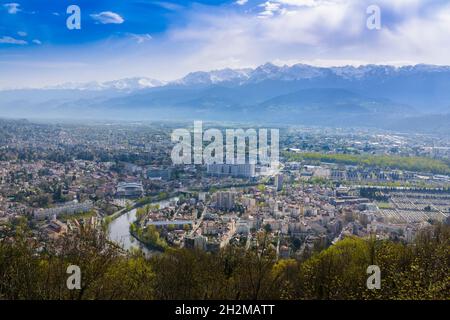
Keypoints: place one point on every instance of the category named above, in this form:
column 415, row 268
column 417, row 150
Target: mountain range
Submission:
column 371, row 95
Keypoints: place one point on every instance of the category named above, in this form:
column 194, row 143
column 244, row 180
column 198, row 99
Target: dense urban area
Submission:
column 336, row 193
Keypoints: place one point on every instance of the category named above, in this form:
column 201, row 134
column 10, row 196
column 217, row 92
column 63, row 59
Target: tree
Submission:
column 409, row 271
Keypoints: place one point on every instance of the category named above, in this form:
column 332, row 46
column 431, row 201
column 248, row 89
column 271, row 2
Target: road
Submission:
column 229, row 235
column 197, row 223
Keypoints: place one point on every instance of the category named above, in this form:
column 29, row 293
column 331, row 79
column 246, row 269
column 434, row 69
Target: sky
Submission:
column 167, row 39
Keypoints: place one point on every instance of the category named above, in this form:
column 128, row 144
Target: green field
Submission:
column 384, row 205
column 418, row 164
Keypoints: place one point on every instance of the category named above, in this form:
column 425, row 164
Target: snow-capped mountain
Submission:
column 127, row 84
column 237, row 76
column 133, row 84
column 266, row 72
column 297, row 72
column 370, row 95
column 270, row 71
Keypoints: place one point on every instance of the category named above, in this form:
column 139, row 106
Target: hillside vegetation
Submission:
column 415, row 271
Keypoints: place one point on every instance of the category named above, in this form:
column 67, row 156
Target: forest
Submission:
column 418, row 270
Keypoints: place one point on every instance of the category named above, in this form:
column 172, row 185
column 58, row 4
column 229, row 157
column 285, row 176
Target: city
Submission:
column 212, row 158
column 62, row 175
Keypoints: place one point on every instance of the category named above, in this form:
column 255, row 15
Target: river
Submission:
column 119, row 230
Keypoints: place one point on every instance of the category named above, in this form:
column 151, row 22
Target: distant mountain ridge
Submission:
column 297, row 72
column 370, row 95
column 130, row 84
column 262, row 73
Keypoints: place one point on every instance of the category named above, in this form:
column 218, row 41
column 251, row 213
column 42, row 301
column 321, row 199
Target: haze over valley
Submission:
column 407, row 98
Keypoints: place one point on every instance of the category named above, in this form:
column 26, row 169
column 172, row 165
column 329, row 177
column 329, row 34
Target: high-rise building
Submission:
column 233, row 170
column 279, row 182
column 225, row 200
column 249, row 203
column 202, row 196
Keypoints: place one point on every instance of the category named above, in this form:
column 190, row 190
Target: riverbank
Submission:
column 119, row 229
column 135, row 205
column 149, row 245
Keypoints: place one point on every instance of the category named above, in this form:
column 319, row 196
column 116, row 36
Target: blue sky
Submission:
column 167, row 39
column 46, row 19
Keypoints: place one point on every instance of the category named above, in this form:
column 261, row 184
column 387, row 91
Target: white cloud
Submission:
column 11, row 40
column 168, row 5
column 241, row 2
column 270, row 8
column 141, row 38
column 36, row 41
column 324, row 32
column 420, row 37
column 107, row 17
column 22, row 33
column 12, row 7
column 300, row 3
